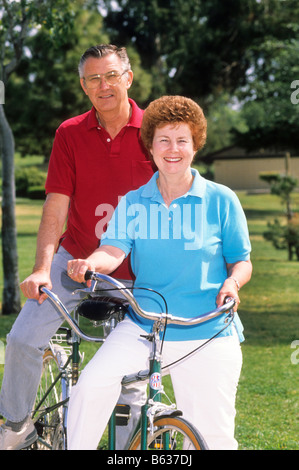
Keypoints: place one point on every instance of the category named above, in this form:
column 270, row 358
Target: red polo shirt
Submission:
column 94, row 171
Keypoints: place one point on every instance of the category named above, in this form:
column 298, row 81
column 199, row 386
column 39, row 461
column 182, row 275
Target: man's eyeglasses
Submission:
column 111, row 78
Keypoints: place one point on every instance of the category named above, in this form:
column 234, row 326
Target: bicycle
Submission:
column 161, row 425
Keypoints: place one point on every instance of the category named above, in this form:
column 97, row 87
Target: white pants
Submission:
column 205, row 385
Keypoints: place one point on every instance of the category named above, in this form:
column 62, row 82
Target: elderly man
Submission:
column 96, row 158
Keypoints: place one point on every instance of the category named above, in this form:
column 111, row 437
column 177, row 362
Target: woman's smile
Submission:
column 171, row 160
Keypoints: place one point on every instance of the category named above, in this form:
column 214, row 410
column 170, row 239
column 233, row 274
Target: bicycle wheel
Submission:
column 48, row 415
column 171, row 433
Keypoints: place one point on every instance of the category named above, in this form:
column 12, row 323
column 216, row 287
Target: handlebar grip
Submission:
column 88, row 275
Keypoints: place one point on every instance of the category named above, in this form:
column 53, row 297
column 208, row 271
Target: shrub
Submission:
column 28, row 178
column 36, row 192
column 285, row 237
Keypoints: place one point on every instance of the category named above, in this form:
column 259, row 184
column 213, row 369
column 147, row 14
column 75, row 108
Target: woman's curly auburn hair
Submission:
column 174, row 110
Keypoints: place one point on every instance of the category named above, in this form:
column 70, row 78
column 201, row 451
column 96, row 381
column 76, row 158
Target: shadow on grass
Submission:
column 253, row 214
column 271, row 326
column 27, row 234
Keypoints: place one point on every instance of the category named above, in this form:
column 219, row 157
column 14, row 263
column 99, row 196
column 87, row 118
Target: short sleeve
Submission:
column 117, row 233
column 235, row 235
column 61, row 171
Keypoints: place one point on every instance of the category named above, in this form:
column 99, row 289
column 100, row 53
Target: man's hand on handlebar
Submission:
column 31, row 285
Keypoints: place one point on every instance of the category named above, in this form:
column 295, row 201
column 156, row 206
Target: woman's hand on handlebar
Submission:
column 76, row 269
column 31, row 285
column 228, row 290
column 104, row 259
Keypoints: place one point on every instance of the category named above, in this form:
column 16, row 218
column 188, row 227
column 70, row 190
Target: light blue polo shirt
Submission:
column 181, row 251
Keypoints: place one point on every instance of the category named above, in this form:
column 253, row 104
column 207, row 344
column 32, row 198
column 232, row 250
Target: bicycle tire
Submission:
column 183, row 435
column 49, row 425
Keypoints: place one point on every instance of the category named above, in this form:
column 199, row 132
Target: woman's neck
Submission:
column 172, row 187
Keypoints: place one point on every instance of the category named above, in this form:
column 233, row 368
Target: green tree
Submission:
column 286, row 235
column 198, row 48
column 221, row 118
column 45, row 88
column 271, row 115
column 18, row 20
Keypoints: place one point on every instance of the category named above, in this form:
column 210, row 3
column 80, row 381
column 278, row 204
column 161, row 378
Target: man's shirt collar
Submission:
column 134, row 121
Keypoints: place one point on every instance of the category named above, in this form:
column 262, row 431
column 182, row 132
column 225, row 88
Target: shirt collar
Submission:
column 92, row 119
column 137, row 114
column 199, row 184
column 197, row 189
column 135, row 119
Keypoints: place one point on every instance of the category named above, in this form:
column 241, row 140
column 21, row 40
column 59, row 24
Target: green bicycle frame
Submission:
column 154, row 393
column 155, row 387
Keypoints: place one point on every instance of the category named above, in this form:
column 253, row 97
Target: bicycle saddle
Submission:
column 100, row 309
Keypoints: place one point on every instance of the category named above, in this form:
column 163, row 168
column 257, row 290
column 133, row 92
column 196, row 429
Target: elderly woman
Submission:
column 188, row 240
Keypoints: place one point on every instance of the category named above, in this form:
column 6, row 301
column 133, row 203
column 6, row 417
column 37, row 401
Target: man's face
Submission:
column 106, row 97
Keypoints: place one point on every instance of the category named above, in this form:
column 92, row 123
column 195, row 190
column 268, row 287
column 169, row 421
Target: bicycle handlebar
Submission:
column 167, row 317
column 62, row 309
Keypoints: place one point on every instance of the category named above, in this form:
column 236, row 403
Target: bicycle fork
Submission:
column 153, row 404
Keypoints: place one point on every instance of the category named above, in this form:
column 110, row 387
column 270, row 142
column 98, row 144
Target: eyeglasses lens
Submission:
column 111, row 78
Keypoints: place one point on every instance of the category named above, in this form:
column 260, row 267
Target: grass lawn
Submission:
column 268, row 396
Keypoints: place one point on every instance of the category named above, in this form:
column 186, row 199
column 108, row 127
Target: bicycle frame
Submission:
column 75, row 334
column 149, row 410
column 153, row 405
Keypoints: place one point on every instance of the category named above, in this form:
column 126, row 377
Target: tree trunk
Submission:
column 11, row 302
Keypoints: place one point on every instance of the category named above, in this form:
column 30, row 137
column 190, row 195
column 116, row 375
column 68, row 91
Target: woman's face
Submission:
column 172, row 149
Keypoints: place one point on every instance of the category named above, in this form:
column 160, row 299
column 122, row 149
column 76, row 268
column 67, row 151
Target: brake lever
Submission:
column 86, row 289
column 231, row 314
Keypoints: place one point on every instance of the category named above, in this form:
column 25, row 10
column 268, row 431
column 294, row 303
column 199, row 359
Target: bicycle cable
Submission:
column 137, row 288
column 165, row 326
column 147, row 289
column 200, row 346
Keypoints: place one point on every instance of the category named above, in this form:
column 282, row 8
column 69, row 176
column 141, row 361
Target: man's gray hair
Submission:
column 102, row 50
